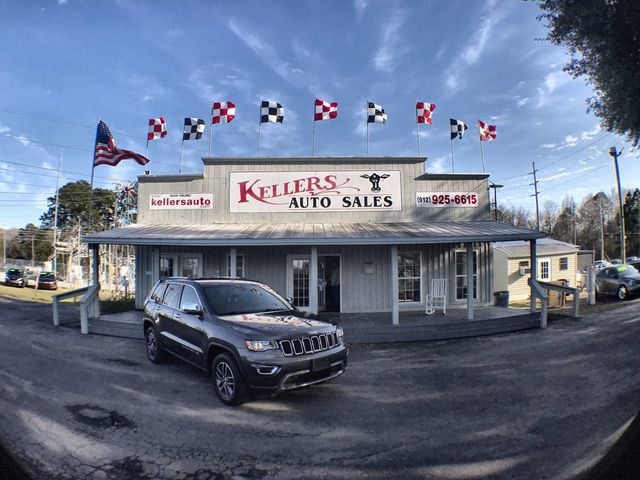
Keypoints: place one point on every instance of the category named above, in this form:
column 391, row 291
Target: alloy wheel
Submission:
column 225, row 380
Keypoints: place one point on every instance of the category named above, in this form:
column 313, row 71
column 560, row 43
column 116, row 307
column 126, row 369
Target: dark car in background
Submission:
column 15, row 277
column 618, row 280
column 47, row 281
column 244, row 334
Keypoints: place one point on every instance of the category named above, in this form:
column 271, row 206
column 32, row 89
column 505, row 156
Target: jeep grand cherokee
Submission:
column 245, row 335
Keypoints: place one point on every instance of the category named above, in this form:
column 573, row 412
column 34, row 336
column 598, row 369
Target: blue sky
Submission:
column 68, row 63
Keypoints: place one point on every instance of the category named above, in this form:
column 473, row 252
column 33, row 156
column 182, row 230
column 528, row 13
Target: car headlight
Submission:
column 260, row 345
column 339, row 334
column 632, row 283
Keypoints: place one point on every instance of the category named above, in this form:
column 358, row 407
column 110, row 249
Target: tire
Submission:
column 622, row 292
column 227, row 380
column 155, row 353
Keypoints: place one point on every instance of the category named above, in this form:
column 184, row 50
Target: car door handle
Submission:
column 176, row 315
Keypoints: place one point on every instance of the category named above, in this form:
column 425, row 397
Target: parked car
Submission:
column 244, row 334
column 600, row 264
column 632, row 259
column 15, row 277
column 619, row 280
column 47, row 281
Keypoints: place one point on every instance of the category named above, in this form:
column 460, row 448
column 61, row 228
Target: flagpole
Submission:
column 210, row 137
column 418, row 135
column 313, row 135
column 93, row 167
column 452, row 167
column 259, row 136
column 482, row 155
column 181, row 149
column 146, row 150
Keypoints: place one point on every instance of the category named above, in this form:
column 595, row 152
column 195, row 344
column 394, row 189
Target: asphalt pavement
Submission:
column 540, row 404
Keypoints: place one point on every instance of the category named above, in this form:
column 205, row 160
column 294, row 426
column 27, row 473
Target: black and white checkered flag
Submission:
column 375, row 113
column 271, row 112
column 193, row 128
column 457, row 128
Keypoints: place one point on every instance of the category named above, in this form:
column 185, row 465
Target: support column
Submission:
column 313, row 281
column 95, row 249
column 395, row 312
column 233, row 262
column 533, row 258
column 470, row 283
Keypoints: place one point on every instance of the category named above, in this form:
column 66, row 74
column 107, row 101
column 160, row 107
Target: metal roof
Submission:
column 237, row 234
column 546, row 246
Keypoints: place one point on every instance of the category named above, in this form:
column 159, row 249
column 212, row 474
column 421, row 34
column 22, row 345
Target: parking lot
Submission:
column 550, row 402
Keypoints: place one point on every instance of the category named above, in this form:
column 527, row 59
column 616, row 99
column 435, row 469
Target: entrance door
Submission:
column 298, row 280
column 544, row 269
column 328, row 283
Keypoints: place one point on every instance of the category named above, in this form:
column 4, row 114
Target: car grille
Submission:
column 306, row 345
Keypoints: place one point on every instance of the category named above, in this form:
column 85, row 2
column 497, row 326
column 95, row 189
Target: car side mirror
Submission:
column 290, row 300
column 192, row 309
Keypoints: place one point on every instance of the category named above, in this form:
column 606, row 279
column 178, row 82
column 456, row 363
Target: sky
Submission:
column 68, row 63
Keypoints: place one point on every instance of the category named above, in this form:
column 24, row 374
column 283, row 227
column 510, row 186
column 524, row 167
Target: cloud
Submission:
column 437, row 165
column 389, row 49
column 589, row 135
column 360, row 6
column 551, row 83
column 202, row 87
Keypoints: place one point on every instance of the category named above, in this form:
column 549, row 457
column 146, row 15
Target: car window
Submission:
column 158, row 292
column 172, row 295
column 189, row 297
column 238, row 298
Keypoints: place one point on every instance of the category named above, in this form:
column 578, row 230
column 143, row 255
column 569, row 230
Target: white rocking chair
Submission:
column 437, row 296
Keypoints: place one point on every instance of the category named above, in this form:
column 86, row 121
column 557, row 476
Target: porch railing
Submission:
column 89, row 305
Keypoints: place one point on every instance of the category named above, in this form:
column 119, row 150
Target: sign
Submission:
column 180, row 201
column 344, row 191
column 446, row 199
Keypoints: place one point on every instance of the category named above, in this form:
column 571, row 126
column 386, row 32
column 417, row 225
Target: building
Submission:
column 338, row 234
column 557, row 262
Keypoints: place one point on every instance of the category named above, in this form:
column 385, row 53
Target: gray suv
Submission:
column 246, row 336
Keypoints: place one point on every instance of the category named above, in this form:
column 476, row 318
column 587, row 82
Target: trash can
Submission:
column 501, row 298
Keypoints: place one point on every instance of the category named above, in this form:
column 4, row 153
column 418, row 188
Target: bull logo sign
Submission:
column 374, row 178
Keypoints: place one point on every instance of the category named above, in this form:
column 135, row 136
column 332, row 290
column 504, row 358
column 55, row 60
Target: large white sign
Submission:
column 370, row 190
column 446, row 199
column 180, row 201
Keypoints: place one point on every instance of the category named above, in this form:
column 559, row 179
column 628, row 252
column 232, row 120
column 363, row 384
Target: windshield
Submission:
column 238, row 298
column 625, row 270
column 47, row 276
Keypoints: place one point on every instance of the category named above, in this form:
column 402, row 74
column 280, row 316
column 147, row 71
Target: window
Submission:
column 239, row 265
column 409, row 277
column 172, row 297
column 564, row 263
column 301, row 282
column 190, row 266
column 159, row 292
column 544, row 269
column 189, row 297
column 167, row 266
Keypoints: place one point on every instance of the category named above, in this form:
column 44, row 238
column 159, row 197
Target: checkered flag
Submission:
column 375, row 113
column 487, row 132
column 193, row 128
column 424, row 112
column 325, row 110
column 157, row 128
column 457, row 128
column 223, row 112
column 271, row 112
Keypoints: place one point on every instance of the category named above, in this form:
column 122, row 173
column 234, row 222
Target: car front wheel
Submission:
column 155, row 353
column 622, row 292
column 227, row 380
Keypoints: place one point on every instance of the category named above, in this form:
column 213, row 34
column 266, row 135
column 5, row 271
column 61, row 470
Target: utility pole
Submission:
column 614, row 153
column 495, row 187
column 535, row 189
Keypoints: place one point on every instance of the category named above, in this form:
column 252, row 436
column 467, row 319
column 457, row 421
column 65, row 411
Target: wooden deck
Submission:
column 375, row 327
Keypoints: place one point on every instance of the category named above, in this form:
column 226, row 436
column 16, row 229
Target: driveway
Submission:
column 537, row 404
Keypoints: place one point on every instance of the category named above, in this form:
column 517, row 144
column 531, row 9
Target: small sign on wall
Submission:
column 180, row 201
column 446, row 199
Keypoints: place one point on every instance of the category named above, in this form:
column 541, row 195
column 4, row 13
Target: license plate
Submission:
column 320, row 364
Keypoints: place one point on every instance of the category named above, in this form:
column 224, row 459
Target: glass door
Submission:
column 298, row 281
column 461, row 275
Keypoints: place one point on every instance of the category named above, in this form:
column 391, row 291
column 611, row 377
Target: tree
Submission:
column 31, row 243
column 604, row 43
column 518, row 217
column 549, row 216
column 73, row 207
column 631, row 209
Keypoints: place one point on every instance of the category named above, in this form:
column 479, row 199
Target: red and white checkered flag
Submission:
column 424, row 111
column 325, row 110
column 223, row 112
column 487, row 132
column 157, row 128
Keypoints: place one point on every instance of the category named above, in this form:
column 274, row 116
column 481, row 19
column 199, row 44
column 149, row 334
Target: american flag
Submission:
column 193, row 128
column 424, row 111
column 271, row 112
column 106, row 152
column 457, row 128
column 375, row 113
column 325, row 110
column 223, row 112
column 157, row 128
column 487, row 132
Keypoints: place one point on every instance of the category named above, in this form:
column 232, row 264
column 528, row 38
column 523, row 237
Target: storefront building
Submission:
column 336, row 234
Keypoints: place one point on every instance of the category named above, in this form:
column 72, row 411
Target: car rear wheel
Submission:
column 227, row 380
column 622, row 292
column 155, row 353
